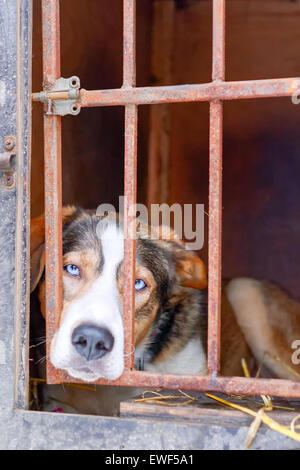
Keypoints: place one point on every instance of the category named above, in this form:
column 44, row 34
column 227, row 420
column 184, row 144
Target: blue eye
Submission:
column 72, row 269
column 140, row 284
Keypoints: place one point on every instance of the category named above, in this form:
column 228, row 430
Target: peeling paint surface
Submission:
column 2, row 93
column 8, row 104
column 2, row 353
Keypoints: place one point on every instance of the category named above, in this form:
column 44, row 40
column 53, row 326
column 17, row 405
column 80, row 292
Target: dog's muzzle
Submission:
column 92, row 342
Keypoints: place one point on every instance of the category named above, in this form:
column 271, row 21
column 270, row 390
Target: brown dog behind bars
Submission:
column 259, row 321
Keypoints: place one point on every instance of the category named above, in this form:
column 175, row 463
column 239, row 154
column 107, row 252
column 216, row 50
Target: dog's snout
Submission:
column 92, row 342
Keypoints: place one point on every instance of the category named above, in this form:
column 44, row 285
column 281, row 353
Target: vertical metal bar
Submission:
column 129, row 230
column 130, row 184
column 158, row 185
column 129, row 43
column 215, row 194
column 53, row 177
column 218, row 62
column 215, row 237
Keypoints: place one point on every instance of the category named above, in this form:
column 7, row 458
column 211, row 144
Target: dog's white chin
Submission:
column 88, row 375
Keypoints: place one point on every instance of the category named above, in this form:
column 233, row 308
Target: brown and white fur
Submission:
column 259, row 321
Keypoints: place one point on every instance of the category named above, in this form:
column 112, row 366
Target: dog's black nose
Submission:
column 92, row 342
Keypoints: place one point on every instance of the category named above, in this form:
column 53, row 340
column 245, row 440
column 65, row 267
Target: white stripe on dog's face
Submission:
column 100, row 306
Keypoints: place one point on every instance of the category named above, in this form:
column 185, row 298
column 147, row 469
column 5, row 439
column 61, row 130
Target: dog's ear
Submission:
column 37, row 244
column 190, row 269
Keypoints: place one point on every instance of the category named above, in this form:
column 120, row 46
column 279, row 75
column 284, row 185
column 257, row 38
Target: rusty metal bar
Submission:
column 158, row 176
column 130, row 183
column 204, row 383
column 54, row 95
column 129, row 43
column 53, row 179
column 218, row 45
column 215, row 237
column 217, row 90
column 183, row 93
column 215, row 194
column 51, row 42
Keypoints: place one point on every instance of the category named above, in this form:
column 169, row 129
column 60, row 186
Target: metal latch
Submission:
column 62, row 98
column 7, row 161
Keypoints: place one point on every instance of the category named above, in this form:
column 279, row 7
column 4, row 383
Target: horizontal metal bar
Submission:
column 216, row 90
column 230, row 385
column 55, row 95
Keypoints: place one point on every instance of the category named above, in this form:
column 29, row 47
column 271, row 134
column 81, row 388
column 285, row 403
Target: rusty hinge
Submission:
column 7, row 161
column 62, row 98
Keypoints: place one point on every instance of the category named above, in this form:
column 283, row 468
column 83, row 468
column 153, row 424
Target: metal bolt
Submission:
column 8, row 180
column 9, row 143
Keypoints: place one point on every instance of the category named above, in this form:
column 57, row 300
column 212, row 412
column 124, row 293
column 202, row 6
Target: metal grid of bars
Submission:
column 131, row 96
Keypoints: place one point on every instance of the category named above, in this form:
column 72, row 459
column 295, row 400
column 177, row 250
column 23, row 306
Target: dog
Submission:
column 259, row 321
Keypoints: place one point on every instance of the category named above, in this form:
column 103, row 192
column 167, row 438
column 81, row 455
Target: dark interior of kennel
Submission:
column 261, row 224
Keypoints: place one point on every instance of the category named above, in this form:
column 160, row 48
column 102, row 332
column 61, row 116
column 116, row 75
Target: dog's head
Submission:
column 89, row 342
